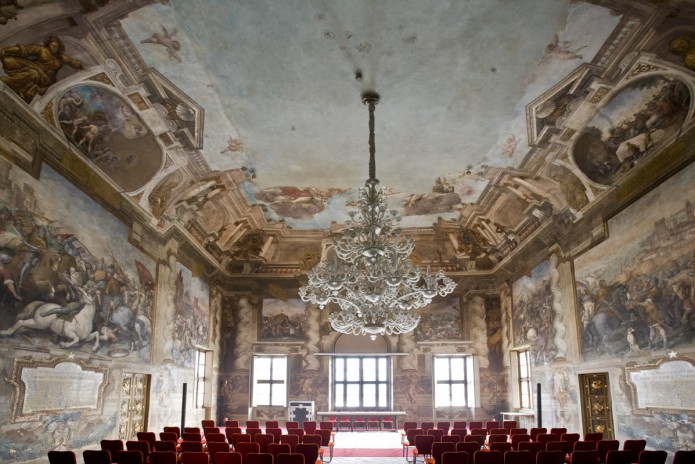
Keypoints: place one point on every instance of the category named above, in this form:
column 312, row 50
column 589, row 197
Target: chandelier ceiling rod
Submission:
column 371, row 99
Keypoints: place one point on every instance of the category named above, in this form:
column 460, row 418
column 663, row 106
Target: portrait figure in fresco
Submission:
column 32, row 68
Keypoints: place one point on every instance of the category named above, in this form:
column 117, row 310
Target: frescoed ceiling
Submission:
column 241, row 122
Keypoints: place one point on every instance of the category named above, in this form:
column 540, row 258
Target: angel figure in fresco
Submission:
column 166, row 39
column 509, row 146
column 31, row 69
column 560, row 49
column 233, row 145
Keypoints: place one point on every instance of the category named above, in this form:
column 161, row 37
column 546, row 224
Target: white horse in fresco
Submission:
column 47, row 316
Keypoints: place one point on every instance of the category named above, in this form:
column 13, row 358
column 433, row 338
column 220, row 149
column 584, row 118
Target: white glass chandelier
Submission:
column 371, row 277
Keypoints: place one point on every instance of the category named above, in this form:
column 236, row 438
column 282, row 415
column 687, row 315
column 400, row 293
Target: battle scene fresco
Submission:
column 533, row 314
column 635, row 291
column 282, row 320
column 192, row 301
column 630, row 126
column 108, row 132
column 440, row 320
column 63, row 258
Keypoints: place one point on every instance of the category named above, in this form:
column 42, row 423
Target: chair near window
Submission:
column 62, row 457
column 388, row 423
column 162, row 457
column 344, row 423
column 409, row 440
column 373, row 423
column 438, row 449
column 96, row 456
column 310, row 452
column 423, row 446
column 359, row 423
column 509, row 424
column 168, row 436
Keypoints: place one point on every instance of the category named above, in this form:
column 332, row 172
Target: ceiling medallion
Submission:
column 371, row 277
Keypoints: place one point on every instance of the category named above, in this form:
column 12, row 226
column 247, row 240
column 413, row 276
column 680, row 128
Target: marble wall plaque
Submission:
column 666, row 386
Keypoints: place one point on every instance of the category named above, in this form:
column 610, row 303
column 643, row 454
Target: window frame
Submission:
column 203, row 392
column 361, row 382
column 468, row 381
column 523, row 378
column 269, row 380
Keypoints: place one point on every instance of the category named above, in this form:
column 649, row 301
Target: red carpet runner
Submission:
column 367, row 452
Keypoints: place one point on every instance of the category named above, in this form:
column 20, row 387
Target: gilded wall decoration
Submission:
column 636, row 290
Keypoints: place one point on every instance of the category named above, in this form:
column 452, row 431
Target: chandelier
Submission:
column 371, row 278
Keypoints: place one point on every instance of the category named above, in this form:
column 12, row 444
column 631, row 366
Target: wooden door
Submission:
column 596, row 404
column 134, row 405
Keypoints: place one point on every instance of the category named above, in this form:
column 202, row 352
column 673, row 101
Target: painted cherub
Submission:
column 166, row 39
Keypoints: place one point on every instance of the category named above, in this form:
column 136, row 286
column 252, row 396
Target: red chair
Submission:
column 479, row 432
column 635, row 446
column 253, row 431
column 326, row 425
column 550, row 457
column 518, row 431
column 229, row 431
column 455, row 457
column 451, row 439
column 651, row 457
column 533, row 446
column 475, row 425
column 292, row 440
column 444, row 425
column 487, row 457
column 501, row 446
column 618, row 457
column 423, row 446
column 604, row 446
column 191, row 430
column 149, row 437
column 584, row 446
column 191, row 446
column 344, row 423
column 298, row 432
column 310, row 452
column 558, row 431
column 469, row 447
column 292, row 425
column 172, row 428
column 516, row 439
column 207, row 423
column 168, row 436
column 142, row 446
column 570, row 437
column 231, row 423
column 164, row 445
column 259, row 458
column 127, row 457
column 564, row 446
column 409, row 440
column 275, row 432
column 479, row 439
column 246, row 447
column 163, row 457
column 326, row 442
column 62, row 457
column 194, row 457
column 96, row 456
column 498, row 431
column 461, row 433
column 215, row 438
column 263, row 440
column 388, row 423
column 191, row 436
column 460, row 425
column 544, row 438
column 684, row 457
column 439, row 448
column 498, row 439
column 593, row 436
column 407, row 425
column 112, row 445
column 535, row 431
column 276, row 448
column 228, row 458
column 273, row 424
column 436, row 433
column 253, row 424
column 209, row 430
column 427, row 425
column 358, row 423
column 518, row 457
column 290, row 458
column 492, row 424
column 217, row 447
column 583, row 457
column 509, row 425
column 237, row 438
column 310, row 427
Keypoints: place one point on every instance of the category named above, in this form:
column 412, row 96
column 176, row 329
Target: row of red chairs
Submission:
column 307, row 454
column 507, row 425
column 554, row 457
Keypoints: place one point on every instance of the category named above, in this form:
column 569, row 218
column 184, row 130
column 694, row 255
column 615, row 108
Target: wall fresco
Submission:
column 192, row 301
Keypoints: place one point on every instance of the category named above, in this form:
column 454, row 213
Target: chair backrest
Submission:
column 544, row 438
column 207, row 423
column 237, row 438
column 162, row 457
column 96, row 456
column 229, row 431
column 410, row 436
column 277, row 448
column 172, row 428
column 326, row 425
column 127, row 457
column 498, row 431
column 263, row 440
column 652, row 457
column 192, row 446
column 460, row 425
column 292, row 440
column 325, row 435
column 634, row 446
column 139, row 445
column 191, row 436
column 684, row 457
column 310, row 452
column 451, row 439
column 516, row 439
column 479, row 439
column 436, row 433
column 444, row 425
column 208, row 430
column 168, row 436
column 564, row 446
column 273, row 424
column 407, row 425
column 618, row 457
column 426, row 425
column 479, row 432
column 604, row 446
column 475, row 425
column 558, row 431
column 455, row 457
column 191, row 430
column 501, row 446
column 217, row 447
column 570, row 437
column 423, row 444
column 519, row 457
column 231, row 423
column 312, row 439
column 290, row 458
column 492, row 424
column 246, row 447
column 584, row 446
column 295, row 431
column 194, row 457
column 439, row 448
column 62, row 457
column 460, row 432
column 550, row 457
column 276, row 432
column 259, row 458
column 487, row 457
column 253, row 431
column 164, row 445
column 253, row 424
column 535, row 431
column 584, row 456
column 469, row 447
column 309, row 426
column 149, row 437
column 518, row 431
column 112, row 445
column 593, row 436
column 497, row 438
column 533, row 446
column 292, row 424
column 509, row 424
column 215, row 437
column 228, row 458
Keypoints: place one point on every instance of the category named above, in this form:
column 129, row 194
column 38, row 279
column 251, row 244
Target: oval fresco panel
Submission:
column 637, row 120
column 107, row 131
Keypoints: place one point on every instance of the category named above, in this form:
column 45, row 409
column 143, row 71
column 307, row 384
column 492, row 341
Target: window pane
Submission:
column 261, row 368
column 383, row 395
column 279, row 393
column 279, row 368
column 369, row 369
column 383, row 369
column 261, row 394
column 441, row 395
column 339, row 391
column 353, row 369
column 339, row 369
column 369, row 395
column 457, row 369
column 441, row 369
column 458, row 394
column 353, row 396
